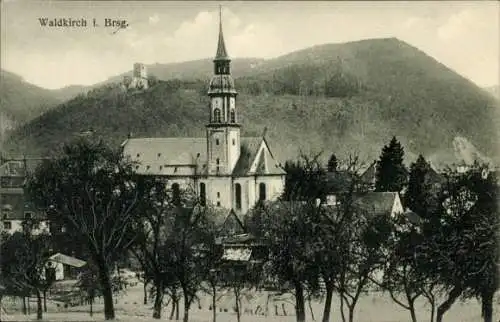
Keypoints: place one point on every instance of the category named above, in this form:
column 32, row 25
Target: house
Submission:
column 380, row 203
column 243, row 255
column 62, row 267
column 15, row 208
column 224, row 169
column 369, row 175
column 374, row 203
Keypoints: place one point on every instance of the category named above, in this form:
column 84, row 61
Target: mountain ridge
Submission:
column 342, row 96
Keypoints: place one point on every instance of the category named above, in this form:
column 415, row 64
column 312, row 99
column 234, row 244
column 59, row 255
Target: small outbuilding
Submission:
column 62, row 267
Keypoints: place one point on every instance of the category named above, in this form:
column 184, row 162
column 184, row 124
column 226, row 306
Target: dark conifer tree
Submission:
column 419, row 196
column 332, row 163
column 391, row 173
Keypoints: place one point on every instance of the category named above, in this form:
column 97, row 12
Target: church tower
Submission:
column 223, row 129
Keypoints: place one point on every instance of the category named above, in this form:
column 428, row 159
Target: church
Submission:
column 224, row 169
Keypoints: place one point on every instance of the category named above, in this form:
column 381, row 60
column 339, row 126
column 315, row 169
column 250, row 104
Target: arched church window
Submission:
column 203, row 194
column 262, row 191
column 233, row 116
column 217, row 164
column 237, row 191
column 176, row 194
column 217, row 115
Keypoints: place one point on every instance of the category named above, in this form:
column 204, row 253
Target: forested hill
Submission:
column 21, row 101
column 338, row 98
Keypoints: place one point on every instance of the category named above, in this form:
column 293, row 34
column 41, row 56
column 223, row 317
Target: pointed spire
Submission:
column 221, row 46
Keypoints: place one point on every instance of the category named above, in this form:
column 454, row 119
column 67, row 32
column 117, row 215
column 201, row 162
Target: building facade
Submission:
column 223, row 168
column 15, row 208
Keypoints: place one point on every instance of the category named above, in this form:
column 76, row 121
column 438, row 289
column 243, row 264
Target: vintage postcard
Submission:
column 249, row 161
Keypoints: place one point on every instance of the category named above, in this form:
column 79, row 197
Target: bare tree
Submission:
column 93, row 192
column 24, row 256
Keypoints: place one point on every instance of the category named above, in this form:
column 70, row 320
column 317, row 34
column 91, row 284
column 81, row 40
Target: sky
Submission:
column 462, row 35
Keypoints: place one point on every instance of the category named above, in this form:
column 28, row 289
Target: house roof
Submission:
column 230, row 224
column 67, row 260
column 435, row 176
column 240, row 254
column 368, row 175
column 376, row 202
column 239, row 239
column 413, row 218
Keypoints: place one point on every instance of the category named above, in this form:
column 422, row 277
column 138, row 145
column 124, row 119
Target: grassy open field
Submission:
column 374, row 307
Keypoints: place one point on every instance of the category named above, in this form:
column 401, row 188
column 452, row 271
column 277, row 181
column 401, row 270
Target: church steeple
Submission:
column 221, row 46
column 223, row 129
column 221, row 60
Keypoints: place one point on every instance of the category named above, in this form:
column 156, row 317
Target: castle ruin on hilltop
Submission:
column 139, row 79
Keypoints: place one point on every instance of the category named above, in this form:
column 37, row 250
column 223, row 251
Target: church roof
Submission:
column 249, row 148
column 266, row 164
column 221, row 84
column 159, row 152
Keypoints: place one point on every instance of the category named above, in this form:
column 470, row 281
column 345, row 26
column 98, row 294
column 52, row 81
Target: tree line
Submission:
column 447, row 251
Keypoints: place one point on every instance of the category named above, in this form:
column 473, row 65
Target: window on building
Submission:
column 234, row 142
column 203, row 194
column 176, row 194
column 217, row 115
column 233, row 116
column 218, row 203
column 28, row 215
column 216, row 141
column 138, row 155
column 237, row 191
column 147, row 167
column 217, row 164
column 161, row 167
column 7, row 225
column 262, row 191
column 218, row 194
column 159, row 155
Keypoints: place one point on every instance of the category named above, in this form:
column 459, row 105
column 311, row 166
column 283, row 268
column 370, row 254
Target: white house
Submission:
column 60, row 266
